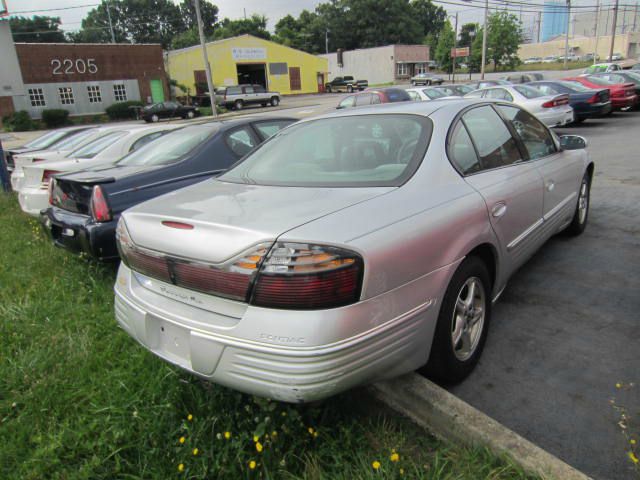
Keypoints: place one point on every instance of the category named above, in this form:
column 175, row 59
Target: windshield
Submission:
column 170, row 147
column 47, row 139
column 73, row 141
column 528, row 92
column 356, row 151
column 575, row 86
column 96, row 146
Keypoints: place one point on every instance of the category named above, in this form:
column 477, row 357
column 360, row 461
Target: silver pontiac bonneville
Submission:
column 350, row 247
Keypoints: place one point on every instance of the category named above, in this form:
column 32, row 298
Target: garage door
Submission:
column 294, row 78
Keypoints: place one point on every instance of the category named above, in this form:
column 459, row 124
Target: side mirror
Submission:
column 572, row 142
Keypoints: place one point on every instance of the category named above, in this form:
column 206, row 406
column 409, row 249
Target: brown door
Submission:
column 320, row 82
column 294, row 78
column 200, row 79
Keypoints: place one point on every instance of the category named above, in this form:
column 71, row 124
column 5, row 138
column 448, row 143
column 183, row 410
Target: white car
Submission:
column 550, row 59
column 552, row 110
column 531, row 60
column 33, row 194
column 421, row 94
column 59, row 151
column 615, row 58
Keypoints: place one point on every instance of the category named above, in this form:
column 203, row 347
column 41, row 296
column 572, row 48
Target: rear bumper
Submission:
column 216, row 347
column 33, row 200
column 80, row 234
column 593, row 110
column 624, row 102
column 557, row 117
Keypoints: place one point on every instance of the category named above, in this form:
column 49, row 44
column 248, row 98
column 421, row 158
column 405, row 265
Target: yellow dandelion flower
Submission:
column 256, row 438
column 252, row 464
column 181, row 467
column 310, row 430
column 633, row 458
column 402, row 471
column 375, row 465
column 189, row 417
column 195, row 451
column 284, row 414
column 182, row 439
column 394, row 457
column 258, row 447
column 227, row 435
column 632, row 441
column 274, row 434
column 315, row 434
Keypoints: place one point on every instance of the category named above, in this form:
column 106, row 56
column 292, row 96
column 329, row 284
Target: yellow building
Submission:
column 249, row 59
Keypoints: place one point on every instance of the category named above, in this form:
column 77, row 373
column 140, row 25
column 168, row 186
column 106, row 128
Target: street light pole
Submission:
column 484, row 39
column 207, row 67
column 613, row 31
column 113, row 37
column 566, row 38
column 595, row 48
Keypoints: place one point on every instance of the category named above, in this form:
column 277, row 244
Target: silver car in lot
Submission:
column 350, row 247
column 552, row 110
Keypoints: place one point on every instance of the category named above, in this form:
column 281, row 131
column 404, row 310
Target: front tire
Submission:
column 191, row 114
column 238, row 104
column 463, row 323
column 275, row 101
column 155, row 118
column 328, row 88
column 581, row 215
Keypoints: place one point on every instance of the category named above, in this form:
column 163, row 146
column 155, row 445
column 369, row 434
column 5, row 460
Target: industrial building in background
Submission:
column 388, row 64
column 554, row 20
column 248, row 59
column 81, row 78
column 628, row 21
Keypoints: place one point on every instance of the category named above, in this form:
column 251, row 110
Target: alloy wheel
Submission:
column 468, row 318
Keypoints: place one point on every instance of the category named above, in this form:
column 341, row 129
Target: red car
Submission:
column 623, row 95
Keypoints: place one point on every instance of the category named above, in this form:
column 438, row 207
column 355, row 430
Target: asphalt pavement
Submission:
column 561, row 365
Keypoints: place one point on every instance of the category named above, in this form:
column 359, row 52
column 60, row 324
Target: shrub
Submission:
column 55, row 117
column 121, row 110
column 18, row 122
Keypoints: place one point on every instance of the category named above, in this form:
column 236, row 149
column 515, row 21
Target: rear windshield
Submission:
column 93, row 148
column 575, row 86
column 397, row 95
column 47, row 139
column 601, row 81
column 73, row 141
column 528, row 92
column 432, row 93
column 171, row 147
column 359, row 150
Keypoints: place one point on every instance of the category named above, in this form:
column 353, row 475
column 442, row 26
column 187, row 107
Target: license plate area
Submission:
column 168, row 340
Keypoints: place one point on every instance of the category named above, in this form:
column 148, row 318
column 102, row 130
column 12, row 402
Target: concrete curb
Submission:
column 449, row 418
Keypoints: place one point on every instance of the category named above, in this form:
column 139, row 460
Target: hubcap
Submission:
column 583, row 201
column 468, row 319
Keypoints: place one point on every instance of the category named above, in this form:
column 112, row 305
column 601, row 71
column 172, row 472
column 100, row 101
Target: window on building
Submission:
column 421, row 68
column 66, row 95
column 279, row 68
column 403, row 69
column 94, row 93
column 36, row 96
column 120, row 92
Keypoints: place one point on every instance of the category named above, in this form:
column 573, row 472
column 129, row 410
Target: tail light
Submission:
column 594, row 99
column 38, row 160
column 556, row 102
column 46, row 177
column 51, row 185
column 99, row 208
column 618, row 93
column 303, row 277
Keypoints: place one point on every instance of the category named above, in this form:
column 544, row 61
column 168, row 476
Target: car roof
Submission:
column 226, row 124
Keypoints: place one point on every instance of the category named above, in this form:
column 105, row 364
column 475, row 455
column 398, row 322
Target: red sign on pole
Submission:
column 460, row 52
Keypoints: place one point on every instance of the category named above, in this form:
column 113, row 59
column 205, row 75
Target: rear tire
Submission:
column 328, row 88
column 275, row 101
column 155, row 118
column 463, row 323
column 349, row 89
column 191, row 114
column 238, row 104
column 581, row 215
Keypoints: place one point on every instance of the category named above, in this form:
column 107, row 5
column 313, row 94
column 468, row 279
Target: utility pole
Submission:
column 113, row 37
column 595, row 49
column 455, row 46
column 484, row 39
column 635, row 16
column 566, row 37
column 207, row 67
column 326, row 41
column 540, row 25
column 613, row 30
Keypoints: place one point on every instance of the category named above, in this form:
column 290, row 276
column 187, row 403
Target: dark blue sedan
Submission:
column 586, row 102
column 85, row 206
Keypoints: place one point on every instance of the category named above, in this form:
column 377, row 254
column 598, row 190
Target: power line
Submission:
column 55, row 9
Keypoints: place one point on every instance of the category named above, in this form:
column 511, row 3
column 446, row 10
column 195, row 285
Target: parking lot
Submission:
column 565, row 331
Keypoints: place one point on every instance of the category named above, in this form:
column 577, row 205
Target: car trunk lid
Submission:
column 225, row 219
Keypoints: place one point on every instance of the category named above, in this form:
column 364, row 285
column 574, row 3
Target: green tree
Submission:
column 503, row 38
column 430, row 17
column 186, row 39
column 255, row 25
column 475, row 59
column 39, row 29
column 445, row 44
column 468, row 32
column 208, row 12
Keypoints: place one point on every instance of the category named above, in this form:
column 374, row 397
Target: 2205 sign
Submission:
column 68, row 66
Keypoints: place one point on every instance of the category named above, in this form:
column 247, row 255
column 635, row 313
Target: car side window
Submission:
column 493, row 140
column 247, row 90
column 535, row 136
column 146, row 139
column 547, row 89
column 241, row 141
column 348, row 102
column 414, row 95
column 363, row 99
column 462, row 151
column 499, row 94
column 375, row 99
column 475, row 94
column 258, row 89
column 270, row 127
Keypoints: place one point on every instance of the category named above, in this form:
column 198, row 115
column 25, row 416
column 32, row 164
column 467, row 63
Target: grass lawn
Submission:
column 79, row 399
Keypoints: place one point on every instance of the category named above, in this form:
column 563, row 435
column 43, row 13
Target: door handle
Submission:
column 550, row 185
column 498, row 210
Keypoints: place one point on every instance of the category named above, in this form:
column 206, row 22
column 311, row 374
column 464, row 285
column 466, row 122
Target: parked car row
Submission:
column 278, row 257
